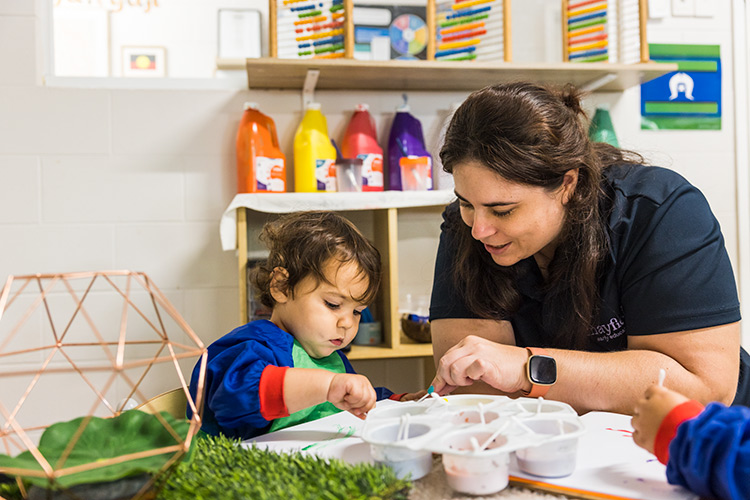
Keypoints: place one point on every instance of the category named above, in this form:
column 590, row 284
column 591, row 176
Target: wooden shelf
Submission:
column 384, row 207
column 280, row 203
column 352, row 74
column 382, row 352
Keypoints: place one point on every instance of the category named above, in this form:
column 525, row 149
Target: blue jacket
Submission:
column 235, row 363
column 710, row 455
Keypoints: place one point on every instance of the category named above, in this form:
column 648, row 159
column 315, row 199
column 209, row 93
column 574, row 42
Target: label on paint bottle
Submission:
column 325, row 174
column 372, row 172
column 270, row 174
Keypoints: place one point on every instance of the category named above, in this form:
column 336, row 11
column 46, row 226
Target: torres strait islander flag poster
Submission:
column 686, row 99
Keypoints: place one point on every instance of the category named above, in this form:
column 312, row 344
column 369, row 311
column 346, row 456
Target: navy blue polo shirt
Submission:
column 667, row 269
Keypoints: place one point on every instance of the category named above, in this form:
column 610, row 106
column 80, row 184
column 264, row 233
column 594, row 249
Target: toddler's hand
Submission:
column 656, row 403
column 412, row 396
column 353, row 393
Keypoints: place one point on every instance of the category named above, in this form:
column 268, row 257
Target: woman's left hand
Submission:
column 477, row 359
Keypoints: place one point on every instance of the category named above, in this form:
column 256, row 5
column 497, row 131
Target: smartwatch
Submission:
column 541, row 370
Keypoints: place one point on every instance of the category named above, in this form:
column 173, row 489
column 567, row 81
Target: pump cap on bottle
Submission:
column 312, row 105
column 363, row 107
column 251, row 105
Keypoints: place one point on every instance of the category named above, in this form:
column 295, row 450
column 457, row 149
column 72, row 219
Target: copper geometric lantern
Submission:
column 106, row 340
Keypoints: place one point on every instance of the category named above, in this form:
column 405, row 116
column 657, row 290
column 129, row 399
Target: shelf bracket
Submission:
column 308, row 88
column 598, row 83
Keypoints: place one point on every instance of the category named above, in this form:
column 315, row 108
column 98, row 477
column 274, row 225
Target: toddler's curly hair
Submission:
column 303, row 243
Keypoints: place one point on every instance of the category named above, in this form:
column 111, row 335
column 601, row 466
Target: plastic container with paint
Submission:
column 386, row 448
column 472, row 471
column 557, row 456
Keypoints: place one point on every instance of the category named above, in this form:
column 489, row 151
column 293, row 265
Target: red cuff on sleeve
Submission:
column 271, row 392
column 668, row 428
column 397, row 397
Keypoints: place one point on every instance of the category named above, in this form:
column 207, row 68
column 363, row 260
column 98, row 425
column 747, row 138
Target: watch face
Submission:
column 542, row 370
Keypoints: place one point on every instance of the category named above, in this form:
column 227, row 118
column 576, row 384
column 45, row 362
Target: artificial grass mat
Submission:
column 219, row 468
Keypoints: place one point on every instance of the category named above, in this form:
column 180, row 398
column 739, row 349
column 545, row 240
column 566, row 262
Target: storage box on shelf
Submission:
column 376, row 213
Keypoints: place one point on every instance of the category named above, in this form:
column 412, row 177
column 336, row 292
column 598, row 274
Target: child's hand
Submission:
column 656, row 403
column 411, row 396
column 353, row 393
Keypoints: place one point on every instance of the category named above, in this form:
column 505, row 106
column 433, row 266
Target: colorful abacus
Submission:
column 587, row 31
column 304, row 29
column 472, row 30
column 604, row 30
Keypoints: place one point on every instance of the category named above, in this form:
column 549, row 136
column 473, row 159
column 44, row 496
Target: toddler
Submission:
column 320, row 275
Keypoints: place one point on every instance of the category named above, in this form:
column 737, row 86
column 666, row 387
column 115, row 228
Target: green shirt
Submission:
column 332, row 363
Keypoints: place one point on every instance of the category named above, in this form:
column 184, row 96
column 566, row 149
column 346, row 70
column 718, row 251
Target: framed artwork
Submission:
column 144, row 61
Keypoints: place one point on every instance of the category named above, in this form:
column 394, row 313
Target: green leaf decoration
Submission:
column 221, row 468
column 103, row 438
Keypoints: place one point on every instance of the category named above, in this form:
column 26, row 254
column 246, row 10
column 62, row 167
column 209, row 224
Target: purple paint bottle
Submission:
column 409, row 163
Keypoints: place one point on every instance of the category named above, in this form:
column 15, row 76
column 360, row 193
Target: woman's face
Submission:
column 513, row 221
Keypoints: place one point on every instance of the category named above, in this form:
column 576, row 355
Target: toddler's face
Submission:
column 322, row 317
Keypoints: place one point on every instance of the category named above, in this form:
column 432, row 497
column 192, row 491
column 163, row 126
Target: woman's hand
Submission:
column 353, row 393
column 649, row 413
column 477, row 359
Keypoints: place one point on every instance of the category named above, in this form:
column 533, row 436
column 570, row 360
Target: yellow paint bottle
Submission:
column 314, row 155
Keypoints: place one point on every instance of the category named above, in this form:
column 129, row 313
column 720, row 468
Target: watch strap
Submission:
column 537, row 391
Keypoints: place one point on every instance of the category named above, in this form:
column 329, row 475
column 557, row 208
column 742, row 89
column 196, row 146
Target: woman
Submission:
column 614, row 268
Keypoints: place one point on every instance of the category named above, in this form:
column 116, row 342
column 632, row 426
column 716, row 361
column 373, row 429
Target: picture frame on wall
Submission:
column 144, row 62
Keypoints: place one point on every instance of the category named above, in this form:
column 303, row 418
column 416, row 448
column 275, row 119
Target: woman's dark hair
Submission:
column 304, row 243
column 533, row 134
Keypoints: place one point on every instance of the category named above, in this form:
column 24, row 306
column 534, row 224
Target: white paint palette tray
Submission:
column 476, row 435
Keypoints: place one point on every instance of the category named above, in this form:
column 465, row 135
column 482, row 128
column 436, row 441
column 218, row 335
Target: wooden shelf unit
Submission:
column 352, row 74
column 384, row 207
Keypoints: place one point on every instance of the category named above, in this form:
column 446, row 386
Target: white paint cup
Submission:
column 472, row 471
column 556, row 458
column 385, row 448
